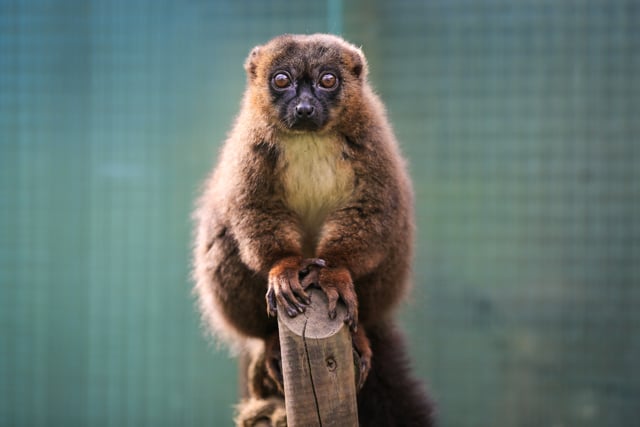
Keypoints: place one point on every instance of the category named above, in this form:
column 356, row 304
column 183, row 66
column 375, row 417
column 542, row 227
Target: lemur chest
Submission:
column 316, row 177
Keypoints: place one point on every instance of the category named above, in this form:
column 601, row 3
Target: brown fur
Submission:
column 253, row 229
column 261, row 412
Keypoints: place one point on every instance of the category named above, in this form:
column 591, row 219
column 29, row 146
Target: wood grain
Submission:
column 318, row 367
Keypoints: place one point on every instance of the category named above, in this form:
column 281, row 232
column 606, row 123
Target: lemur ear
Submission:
column 251, row 63
column 358, row 63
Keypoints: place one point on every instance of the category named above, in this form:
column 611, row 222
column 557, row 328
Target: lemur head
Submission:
column 305, row 83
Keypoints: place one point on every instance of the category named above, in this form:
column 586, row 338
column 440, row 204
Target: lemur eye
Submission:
column 328, row 81
column 281, row 81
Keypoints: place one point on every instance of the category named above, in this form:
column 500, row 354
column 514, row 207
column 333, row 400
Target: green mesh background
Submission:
column 521, row 121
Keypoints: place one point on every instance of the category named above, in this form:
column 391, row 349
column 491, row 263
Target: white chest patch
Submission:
column 316, row 177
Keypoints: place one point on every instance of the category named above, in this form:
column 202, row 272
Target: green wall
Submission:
column 520, row 120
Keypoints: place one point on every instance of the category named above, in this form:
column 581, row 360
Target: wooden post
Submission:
column 318, row 367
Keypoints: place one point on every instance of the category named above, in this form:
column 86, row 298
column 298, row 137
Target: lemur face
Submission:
column 304, row 83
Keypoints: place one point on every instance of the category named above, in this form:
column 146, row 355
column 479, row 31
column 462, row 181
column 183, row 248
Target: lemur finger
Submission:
column 309, row 262
column 310, row 279
column 288, row 295
column 332, row 296
column 298, row 291
column 271, row 302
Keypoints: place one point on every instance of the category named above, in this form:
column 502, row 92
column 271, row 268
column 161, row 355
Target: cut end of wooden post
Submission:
column 317, row 366
column 315, row 321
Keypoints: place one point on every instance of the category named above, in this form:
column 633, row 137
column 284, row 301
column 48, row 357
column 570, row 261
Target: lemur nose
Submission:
column 304, row 110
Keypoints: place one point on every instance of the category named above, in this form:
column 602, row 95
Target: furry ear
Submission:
column 357, row 63
column 251, row 63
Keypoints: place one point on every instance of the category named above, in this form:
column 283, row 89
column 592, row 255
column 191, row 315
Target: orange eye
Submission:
column 281, row 80
column 328, row 81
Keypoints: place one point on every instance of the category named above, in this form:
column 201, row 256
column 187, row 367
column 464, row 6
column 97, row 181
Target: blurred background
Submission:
column 521, row 122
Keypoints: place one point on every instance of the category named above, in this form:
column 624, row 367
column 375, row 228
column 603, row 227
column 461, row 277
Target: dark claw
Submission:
column 271, row 303
column 351, row 323
column 296, row 304
column 302, row 299
column 364, row 371
column 292, row 307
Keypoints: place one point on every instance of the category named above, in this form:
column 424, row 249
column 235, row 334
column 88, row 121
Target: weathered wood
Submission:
column 318, row 367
